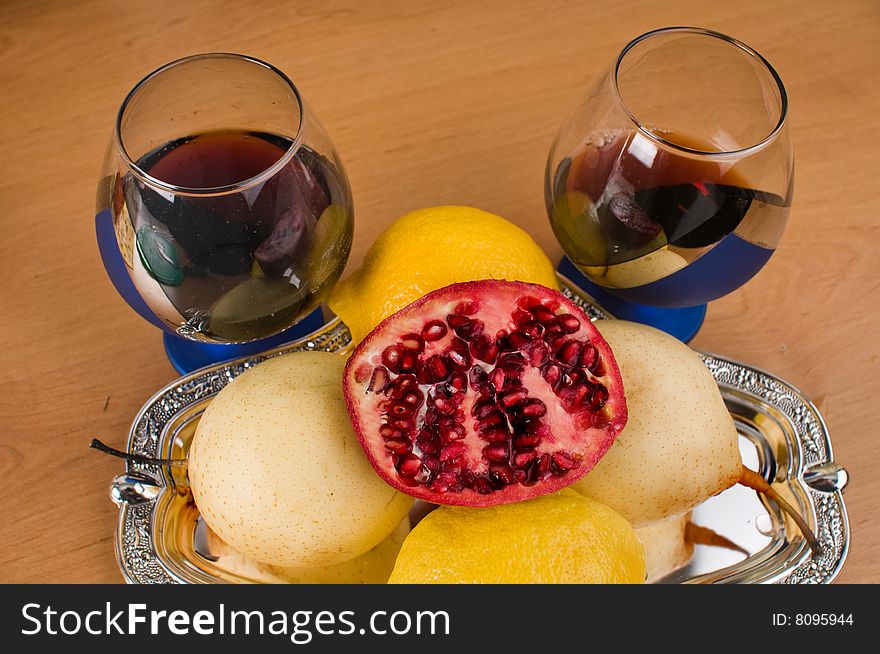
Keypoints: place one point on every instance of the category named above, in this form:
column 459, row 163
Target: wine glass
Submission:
column 669, row 185
column 224, row 215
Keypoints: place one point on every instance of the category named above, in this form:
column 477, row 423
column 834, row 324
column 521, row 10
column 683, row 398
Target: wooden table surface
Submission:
column 428, row 103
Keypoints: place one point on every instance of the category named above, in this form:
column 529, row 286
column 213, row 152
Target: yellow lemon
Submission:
column 432, row 248
column 559, row 538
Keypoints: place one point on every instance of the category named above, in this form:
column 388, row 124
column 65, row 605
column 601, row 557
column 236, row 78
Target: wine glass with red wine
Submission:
column 224, row 213
column 669, row 185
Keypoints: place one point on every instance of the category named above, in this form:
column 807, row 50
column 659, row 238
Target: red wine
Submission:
column 645, row 198
column 239, row 257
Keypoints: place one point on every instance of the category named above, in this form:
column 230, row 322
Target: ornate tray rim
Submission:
column 140, row 563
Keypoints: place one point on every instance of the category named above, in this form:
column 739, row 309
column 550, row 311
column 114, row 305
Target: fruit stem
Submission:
column 134, row 458
column 753, row 480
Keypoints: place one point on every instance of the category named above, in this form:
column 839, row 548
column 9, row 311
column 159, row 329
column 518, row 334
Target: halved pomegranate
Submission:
column 485, row 393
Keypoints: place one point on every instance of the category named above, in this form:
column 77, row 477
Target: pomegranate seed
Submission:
column 387, row 431
column 518, row 340
column 456, row 486
column 502, row 473
column 569, row 353
column 404, row 424
column 537, row 353
column 497, row 379
column 567, row 381
column 409, row 361
column 434, row 330
column 523, row 460
column 445, row 406
column 414, row 397
column 391, row 358
column 484, row 349
column 598, row 398
column 493, row 419
column 576, row 376
column 451, row 451
column 573, row 398
column 496, row 452
column 521, row 441
column 486, row 392
column 360, row 374
column 396, row 408
column 512, row 361
column 413, row 342
column 511, row 382
column 458, row 380
column 534, row 408
column 467, row 307
column 427, row 446
column 550, row 303
column 513, row 397
column 470, row 329
column 554, row 337
column 532, row 329
column 527, row 302
column 402, row 385
column 459, row 354
column 454, row 320
column 531, row 473
column 398, row 446
column 500, row 435
column 482, row 486
column 455, row 433
column 521, row 316
column 444, row 422
column 435, row 369
column 379, row 380
column 432, row 463
column 409, row 466
column 529, row 425
column 551, row 374
column 482, row 409
column 568, row 323
column 544, row 465
column 543, row 315
column 589, row 356
column 446, row 481
column 564, row 462
column 478, row 376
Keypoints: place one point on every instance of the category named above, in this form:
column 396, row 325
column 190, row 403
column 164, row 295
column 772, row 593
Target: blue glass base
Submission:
column 186, row 355
column 681, row 322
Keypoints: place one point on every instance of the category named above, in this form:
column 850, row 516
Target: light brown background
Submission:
column 428, row 103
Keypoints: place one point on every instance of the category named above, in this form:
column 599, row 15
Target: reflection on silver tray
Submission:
column 161, row 539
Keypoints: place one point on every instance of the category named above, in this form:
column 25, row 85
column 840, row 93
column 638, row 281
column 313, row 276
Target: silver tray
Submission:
column 161, row 539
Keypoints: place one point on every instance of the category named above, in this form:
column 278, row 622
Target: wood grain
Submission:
column 429, row 103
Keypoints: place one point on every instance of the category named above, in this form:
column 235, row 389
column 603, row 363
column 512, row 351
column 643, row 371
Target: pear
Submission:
column 667, row 547
column 680, row 445
column 373, row 567
column 277, row 473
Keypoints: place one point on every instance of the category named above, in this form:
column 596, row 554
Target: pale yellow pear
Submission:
column 679, row 446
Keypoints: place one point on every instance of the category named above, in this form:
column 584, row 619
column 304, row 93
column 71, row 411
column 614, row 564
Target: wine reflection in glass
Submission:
column 670, row 183
column 224, row 213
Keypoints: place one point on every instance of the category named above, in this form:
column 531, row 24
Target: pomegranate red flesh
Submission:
column 484, row 393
